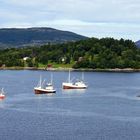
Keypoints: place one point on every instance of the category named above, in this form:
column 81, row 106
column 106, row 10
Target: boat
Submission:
column 44, row 88
column 2, row 94
column 79, row 84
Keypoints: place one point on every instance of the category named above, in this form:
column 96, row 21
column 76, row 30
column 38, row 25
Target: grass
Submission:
column 40, row 65
column 55, row 65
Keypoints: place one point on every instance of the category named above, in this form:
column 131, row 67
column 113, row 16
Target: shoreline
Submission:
column 72, row 69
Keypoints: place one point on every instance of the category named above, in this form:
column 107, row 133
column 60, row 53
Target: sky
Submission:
column 92, row 18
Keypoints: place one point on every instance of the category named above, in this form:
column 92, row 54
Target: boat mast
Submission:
column 82, row 76
column 51, row 78
column 40, row 82
column 2, row 91
column 69, row 77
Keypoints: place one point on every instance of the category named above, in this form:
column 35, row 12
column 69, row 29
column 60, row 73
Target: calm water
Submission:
column 107, row 110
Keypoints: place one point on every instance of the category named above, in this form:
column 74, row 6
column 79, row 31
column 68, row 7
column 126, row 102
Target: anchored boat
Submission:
column 80, row 84
column 2, row 94
column 44, row 88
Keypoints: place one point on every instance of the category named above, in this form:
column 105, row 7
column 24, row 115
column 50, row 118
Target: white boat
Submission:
column 44, row 88
column 80, row 84
column 2, row 94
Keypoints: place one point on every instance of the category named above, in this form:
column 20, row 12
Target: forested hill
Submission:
column 91, row 53
column 138, row 44
column 17, row 37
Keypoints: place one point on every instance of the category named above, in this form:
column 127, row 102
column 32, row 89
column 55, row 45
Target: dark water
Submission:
column 107, row 110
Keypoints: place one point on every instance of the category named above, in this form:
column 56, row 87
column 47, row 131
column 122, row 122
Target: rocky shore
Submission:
column 66, row 69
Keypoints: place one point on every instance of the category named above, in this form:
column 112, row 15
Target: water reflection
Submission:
column 2, row 104
column 45, row 95
column 73, row 91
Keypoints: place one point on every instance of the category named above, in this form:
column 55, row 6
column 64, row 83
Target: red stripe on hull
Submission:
column 2, row 97
column 68, row 87
column 43, row 92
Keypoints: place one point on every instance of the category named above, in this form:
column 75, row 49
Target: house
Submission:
column 25, row 58
column 80, row 59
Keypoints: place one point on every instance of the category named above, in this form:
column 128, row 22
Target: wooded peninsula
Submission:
column 91, row 53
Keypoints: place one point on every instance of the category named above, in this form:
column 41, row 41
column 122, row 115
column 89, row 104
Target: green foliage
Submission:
column 32, row 62
column 91, row 53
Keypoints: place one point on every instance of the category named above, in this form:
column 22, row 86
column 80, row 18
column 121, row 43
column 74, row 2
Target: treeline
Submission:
column 91, row 53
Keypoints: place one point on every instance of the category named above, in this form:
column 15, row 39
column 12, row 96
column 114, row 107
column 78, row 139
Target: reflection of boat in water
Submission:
column 44, row 88
column 80, row 84
column 74, row 91
column 2, row 94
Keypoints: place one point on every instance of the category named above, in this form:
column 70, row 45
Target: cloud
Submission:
column 92, row 10
column 88, row 17
column 89, row 10
column 96, row 29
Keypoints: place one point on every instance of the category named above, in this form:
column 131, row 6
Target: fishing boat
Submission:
column 2, row 94
column 79, row 84
column 44, row 88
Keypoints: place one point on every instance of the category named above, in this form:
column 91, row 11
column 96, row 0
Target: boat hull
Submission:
column 72, row 86
column 39, row 91
column 2, row 97
column 69, row 87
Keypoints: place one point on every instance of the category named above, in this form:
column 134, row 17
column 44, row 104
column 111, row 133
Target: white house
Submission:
column 25, row 58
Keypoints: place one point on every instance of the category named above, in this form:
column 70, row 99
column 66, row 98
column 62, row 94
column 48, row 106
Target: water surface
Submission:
column 108, row 110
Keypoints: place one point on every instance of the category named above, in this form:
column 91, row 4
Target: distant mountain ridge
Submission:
column 18, row 37
column 138, row 44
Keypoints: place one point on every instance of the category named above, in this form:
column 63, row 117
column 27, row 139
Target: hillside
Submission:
column 138, row 44
column 17, row 37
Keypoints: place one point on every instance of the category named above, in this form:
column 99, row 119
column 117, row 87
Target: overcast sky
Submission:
column 93, row 18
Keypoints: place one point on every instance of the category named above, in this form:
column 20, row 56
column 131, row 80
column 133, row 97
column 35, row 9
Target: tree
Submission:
column 29, row 62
